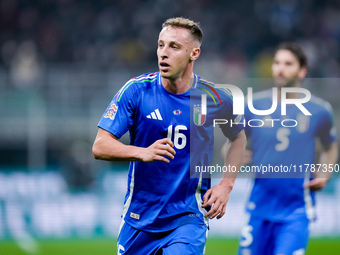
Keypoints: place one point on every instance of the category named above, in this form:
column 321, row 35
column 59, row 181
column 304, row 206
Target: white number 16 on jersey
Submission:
column 180, row 140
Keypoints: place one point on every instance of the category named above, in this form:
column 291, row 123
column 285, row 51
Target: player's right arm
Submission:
column 107, row 147
column 328, row 157
column 117, row 120
column 330, row 152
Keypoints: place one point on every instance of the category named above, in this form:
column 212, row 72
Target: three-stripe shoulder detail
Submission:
column 151, row 77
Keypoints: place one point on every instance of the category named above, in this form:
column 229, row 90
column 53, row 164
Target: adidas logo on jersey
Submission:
column 156, row 115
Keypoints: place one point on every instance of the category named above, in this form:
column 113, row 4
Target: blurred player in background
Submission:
column 165, row 210
column 280, row 209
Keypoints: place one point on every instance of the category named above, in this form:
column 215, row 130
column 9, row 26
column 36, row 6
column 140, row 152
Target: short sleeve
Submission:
column 118, row 117
column 247, row 116
column 327, row 131
column 235, row 122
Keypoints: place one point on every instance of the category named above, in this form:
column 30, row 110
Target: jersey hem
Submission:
column 159, row 230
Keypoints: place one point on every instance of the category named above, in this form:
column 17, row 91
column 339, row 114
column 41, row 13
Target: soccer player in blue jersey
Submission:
column 169, row 115
column 280, row 209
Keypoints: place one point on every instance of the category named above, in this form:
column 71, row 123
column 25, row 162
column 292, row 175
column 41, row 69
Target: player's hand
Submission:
column 217, row 197
column 157, row 151
column 316, row 184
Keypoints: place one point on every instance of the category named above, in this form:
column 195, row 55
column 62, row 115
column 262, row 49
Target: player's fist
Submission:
column 316, row 184
column 161, row 150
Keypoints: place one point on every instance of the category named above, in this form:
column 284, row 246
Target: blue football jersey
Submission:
column 162, row 196
column 286, row 142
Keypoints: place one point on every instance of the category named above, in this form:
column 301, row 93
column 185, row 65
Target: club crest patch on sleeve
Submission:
column 111, row 112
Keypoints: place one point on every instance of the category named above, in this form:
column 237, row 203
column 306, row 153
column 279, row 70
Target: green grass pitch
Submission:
column 215, row 246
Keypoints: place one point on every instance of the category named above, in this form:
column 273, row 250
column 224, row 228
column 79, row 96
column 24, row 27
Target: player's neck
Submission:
column 288, row 95
column 179, row 85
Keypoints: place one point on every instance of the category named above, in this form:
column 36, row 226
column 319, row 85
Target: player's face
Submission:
column 176, row 50
column 286, row 69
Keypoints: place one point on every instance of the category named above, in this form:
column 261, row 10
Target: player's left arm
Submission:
column 217, row 197
column 328, row 157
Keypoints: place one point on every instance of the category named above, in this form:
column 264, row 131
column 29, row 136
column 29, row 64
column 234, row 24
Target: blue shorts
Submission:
column 262, row 237
column 187, row 239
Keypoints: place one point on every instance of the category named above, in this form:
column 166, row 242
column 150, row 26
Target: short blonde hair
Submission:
column 192, row 26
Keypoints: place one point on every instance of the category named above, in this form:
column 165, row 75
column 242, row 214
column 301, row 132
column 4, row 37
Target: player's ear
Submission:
column 195, row 53
column 303, row 72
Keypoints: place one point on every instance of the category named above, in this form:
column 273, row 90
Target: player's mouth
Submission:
column 279, row 75
column 163, row 66
column 280, row 78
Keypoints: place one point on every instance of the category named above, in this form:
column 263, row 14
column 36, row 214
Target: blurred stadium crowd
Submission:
column 124, row 33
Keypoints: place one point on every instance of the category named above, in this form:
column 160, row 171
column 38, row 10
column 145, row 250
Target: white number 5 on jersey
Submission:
column 120, row 248
column 282, row 136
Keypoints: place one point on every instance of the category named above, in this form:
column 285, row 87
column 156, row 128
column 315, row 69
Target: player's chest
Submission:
column 157, row 112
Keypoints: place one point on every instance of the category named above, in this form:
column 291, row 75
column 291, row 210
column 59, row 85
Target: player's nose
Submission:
column 163, row 52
